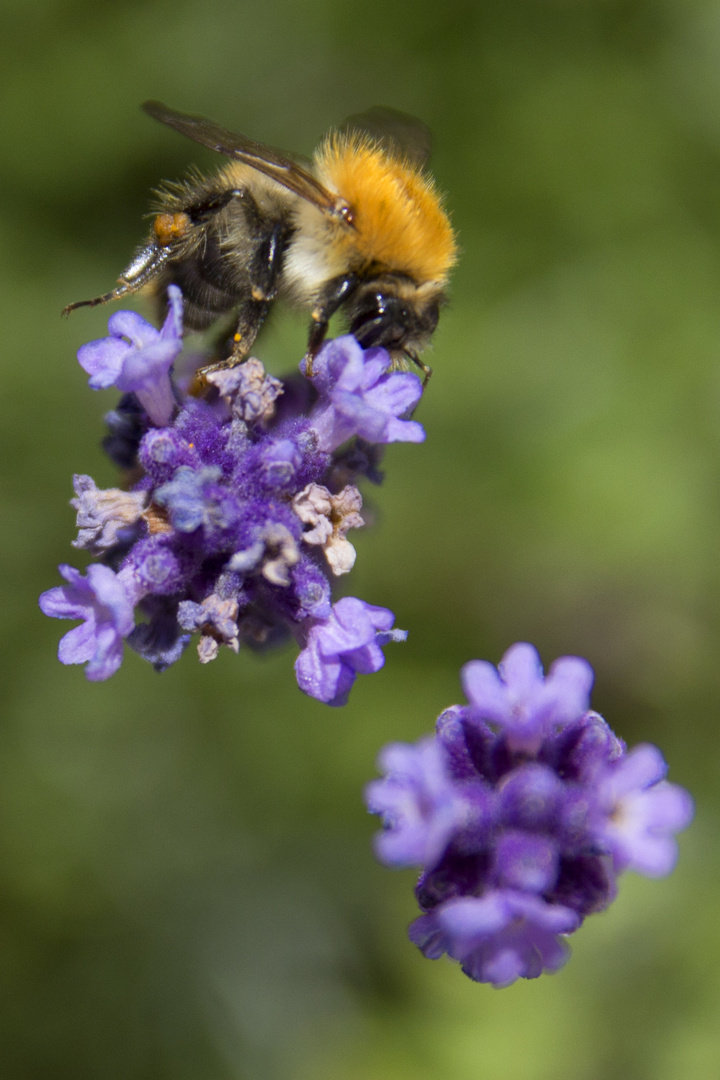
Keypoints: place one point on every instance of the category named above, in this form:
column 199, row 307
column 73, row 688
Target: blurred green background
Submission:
column 186, row 881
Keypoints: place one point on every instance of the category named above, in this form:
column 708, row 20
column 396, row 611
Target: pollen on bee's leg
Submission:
column 169, row 227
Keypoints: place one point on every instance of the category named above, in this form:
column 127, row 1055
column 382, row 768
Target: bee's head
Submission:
column 395, row 313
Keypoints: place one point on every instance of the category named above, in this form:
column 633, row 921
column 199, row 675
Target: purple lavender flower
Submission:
column 234, row 525
column 517, row 697
column 104, row 601
column 498, row 938
column 358, row 396
column 641, row 812
column 345, row 644
column 521, row 812
column 136, row 358
column 420, row 805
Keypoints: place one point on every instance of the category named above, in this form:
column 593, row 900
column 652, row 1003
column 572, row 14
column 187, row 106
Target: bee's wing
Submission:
column 273, row 163
column 402, row 135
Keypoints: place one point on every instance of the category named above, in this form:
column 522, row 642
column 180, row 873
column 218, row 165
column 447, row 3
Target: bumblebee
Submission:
column 360, row 228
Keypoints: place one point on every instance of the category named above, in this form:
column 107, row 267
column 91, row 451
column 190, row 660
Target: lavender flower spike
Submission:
column 136, row 358
column 522, row 811
column 345, row 644
column 231, row 519
column 105, row 603
column 358, row 396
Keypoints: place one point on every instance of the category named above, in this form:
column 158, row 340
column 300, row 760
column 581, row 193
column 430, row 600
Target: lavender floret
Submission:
column 521, row 812
column 104, row 601
column 136, row 358
column 498, row 938
column 345, row 644
column 359, row 396
column 234, row 523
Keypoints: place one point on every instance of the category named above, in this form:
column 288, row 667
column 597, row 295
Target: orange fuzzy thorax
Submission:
column 400, row 224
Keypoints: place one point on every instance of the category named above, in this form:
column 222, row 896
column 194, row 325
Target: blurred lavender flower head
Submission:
column 522, row 811
column 231, row 522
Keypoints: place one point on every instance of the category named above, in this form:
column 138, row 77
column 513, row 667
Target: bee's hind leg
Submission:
column 250, row 320
column 264, row 273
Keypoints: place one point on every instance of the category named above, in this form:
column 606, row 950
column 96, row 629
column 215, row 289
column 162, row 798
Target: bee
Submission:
column 360, row 229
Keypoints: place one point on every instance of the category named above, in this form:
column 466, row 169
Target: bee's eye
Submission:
column 432, row 315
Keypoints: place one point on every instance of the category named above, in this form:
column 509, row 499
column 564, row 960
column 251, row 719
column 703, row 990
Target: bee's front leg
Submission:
column 334, row 295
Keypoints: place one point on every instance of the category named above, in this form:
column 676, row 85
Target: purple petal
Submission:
column 358, row 417
column 173, row 325
column 469, row 919
column 641, row 812
column 111, row 592
column 551, row 917
column 409, row 431
column 366, row 660
column 485, row 690
column 357, row 397
column 321, row 677
column 78, row 645
column 426, row 933
column 395, row 394
column 145, row 366
column 103, row 360
column 567, row 689
column 129, row 324
column 349, row 627
column 521, row 670
column 420, row 808
column 108, row 655
column 376, row 362
column 59, row 603
column 642, row 766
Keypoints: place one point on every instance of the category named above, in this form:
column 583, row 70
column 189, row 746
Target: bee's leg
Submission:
column 145, row 266
column 267, row 261
column 201, row 210
column 427, row 371
column 333, row 297
column 264, row 273
column 252, row 315
column 169, row 230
